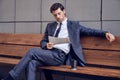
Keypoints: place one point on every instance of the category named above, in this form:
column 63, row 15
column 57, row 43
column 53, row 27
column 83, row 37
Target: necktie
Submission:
column 58, row 30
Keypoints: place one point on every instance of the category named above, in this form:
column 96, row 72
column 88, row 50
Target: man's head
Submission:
column 58, row 11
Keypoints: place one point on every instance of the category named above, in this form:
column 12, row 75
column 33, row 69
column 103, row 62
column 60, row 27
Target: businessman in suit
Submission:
column 55, row 54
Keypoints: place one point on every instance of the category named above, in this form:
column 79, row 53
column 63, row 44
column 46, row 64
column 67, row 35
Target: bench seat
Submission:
column 88, row 70
column 102, row 58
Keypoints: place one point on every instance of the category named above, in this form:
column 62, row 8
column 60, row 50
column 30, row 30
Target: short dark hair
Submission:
column 55, row 6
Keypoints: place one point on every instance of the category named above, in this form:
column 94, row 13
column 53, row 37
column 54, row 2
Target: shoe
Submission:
column 1, row 77
column 9, row 77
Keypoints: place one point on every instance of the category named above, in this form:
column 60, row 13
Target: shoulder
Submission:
column 52, row 23
column 73, row 22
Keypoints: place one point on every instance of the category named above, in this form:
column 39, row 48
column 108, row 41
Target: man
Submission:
column 51, row 54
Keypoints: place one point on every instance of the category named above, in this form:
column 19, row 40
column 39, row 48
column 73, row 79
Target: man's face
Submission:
column 59, row 15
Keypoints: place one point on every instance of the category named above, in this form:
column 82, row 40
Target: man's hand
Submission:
column 49, row 45
column 110, row 37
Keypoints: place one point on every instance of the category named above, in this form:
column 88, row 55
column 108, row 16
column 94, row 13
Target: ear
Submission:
column 64, row 11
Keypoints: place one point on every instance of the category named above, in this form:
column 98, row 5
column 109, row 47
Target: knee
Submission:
column 31, row 66
column 30, row 52
column 32, row 63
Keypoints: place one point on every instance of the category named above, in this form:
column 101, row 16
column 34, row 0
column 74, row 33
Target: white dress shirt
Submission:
column 63, row 34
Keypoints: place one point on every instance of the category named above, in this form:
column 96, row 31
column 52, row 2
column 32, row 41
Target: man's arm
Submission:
column 44, row 43
column 93, row 32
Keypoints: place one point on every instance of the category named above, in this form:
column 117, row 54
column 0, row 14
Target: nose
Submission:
column 58, row 16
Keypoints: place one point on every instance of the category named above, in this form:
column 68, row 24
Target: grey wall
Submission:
column 31, row 16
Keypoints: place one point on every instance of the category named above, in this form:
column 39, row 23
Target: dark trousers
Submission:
column 37, row 57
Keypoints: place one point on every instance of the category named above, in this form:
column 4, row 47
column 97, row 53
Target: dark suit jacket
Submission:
column 75, row 31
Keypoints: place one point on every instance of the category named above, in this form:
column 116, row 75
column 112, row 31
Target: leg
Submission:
column 42, row 59
column 16, row 71
column 46, row 57
column 48, row 75
column 31, row 69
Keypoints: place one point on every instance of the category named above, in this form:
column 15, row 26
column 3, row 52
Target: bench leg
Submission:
column 48, row 74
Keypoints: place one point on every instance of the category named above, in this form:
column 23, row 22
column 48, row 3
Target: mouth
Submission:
column 58, row 19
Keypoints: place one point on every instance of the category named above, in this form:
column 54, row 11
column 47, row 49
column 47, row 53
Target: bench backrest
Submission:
column 97, row 51
column 16, row 45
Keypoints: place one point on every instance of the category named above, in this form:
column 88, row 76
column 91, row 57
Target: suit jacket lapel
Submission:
column 53, row 28
column 70, row 31
column 68, row 27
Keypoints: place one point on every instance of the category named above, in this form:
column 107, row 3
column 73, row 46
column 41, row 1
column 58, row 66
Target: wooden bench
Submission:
column 102, row 57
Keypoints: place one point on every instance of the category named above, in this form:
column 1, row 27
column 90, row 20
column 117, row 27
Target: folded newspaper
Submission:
column 57, row 40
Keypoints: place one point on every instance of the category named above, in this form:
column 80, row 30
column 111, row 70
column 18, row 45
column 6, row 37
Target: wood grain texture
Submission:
column 97, row 51
column 96, row 71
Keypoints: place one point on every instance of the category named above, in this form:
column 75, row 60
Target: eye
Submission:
column 59, row 13
column 55, row 15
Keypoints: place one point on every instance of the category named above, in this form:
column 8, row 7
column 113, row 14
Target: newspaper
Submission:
column 57, row 40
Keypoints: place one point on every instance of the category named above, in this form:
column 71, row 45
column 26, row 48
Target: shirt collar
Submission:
column 63, row 22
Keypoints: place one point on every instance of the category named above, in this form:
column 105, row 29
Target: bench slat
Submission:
column 86, row 70
column 34, row 39
column 100, row 43
column 28, row 39
column 9, row 60
column 106, row 58
column 82, row 70
column 14, row 50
